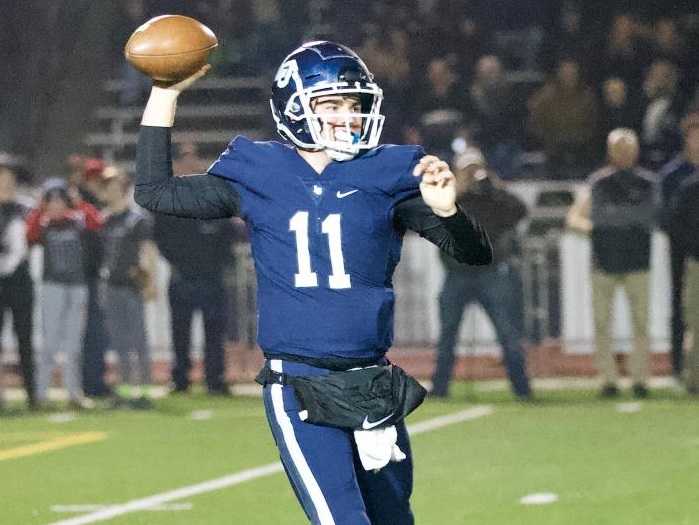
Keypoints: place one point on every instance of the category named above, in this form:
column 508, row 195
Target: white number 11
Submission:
column 306, row 277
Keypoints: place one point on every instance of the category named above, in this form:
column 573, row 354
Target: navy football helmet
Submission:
column 320, row 69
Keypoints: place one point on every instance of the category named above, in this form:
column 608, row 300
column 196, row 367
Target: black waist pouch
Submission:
column 362, row 399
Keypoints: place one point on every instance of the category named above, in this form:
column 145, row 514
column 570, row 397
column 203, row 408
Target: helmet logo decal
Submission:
column 284, row 73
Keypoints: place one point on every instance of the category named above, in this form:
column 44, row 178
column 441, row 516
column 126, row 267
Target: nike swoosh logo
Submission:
column 341, row 195
column 368, row 426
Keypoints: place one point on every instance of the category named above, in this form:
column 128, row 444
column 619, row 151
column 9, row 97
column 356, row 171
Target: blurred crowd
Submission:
column 96, row 270
column 509, row 77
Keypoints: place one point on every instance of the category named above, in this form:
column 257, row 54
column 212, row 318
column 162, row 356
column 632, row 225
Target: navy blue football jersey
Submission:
column 324, row 245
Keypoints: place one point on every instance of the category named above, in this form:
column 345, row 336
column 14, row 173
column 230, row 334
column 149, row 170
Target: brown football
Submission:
column 169, row 48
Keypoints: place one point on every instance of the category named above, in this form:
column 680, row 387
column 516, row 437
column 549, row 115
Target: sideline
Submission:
column 253, row 473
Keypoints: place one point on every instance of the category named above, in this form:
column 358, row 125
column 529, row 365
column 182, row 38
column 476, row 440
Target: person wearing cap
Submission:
column 62, row 226
column 617, row 210
column 672, row 176
column 85, row 177
column 16, row 286
column 497, row 287
column 127, row 280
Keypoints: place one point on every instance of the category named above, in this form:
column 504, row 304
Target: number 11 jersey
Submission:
column 325, row 245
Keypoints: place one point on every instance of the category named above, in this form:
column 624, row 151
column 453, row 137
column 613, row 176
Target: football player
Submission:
column 327, row 211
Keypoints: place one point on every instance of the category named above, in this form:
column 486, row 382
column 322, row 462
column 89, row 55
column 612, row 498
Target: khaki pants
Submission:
column 635, row 285
column 64, row 310
column 691, row 312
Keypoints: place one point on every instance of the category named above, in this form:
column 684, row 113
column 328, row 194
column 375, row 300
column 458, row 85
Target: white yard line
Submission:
column 250, row 474
column 88, row 507
column 449, row 419
column 540, row 498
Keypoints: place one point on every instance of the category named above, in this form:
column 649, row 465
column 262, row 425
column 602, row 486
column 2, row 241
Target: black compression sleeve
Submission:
column 460, row 236
column 199, row 196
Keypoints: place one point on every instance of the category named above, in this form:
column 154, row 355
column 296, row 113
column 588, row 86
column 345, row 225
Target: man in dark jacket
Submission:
column 16, row 286
column 672, row 176
column 85, row 179
column 497, row 288
column 198, row 253
column 684, row 221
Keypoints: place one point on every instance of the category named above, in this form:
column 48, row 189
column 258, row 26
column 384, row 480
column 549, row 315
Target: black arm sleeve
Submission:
column 460, row 236
column 197, row 196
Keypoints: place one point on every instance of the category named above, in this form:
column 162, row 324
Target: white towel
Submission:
column 377, row 447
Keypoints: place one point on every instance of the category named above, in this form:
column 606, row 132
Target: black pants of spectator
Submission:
column 17, row 296
column 498, row 291
column 677, row 268
column 186, row 297
column 95, row 344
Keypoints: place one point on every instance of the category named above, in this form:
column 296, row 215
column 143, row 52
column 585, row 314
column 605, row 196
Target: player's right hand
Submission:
column 180, row 86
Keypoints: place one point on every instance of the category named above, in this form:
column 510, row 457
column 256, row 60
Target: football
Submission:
column 169, row 48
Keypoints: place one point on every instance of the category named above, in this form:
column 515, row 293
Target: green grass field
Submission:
column 605, row 466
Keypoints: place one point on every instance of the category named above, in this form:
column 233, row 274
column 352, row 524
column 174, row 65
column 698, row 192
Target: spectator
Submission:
column 619, row 108
column 497, row 287
column 134, row 84
column 62, row 226
column 388, row 59
column 564, row 117
column 241, row 45
column 660, row 136
column 85, row 178
column 516, row 28
column 494, row 115
column 567, row 37
column 617, row 211
column 626, row 54
column 469, row 43
column 197, row 271
column 672, row 176
column 685, row 225
column 16, row 286
column 668, row 43
column 198, row 253
column 128, row 278
column 440, row 108
column 188, row 159
column 85, row 181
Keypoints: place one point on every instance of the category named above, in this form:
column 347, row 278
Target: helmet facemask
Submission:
column 343, row 134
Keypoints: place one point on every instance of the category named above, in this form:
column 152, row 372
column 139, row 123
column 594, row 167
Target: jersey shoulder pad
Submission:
column 395, row 165
column 244, row 160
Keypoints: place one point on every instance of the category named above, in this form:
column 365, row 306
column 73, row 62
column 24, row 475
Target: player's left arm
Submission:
column 435, row 215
